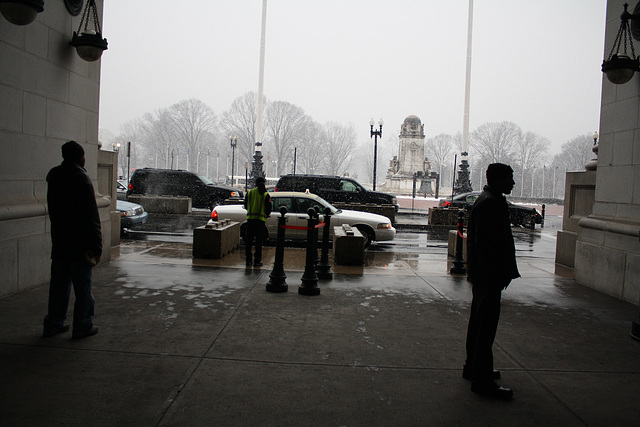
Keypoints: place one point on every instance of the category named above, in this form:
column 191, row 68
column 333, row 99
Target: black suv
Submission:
column 334, row 189
column 166, row 182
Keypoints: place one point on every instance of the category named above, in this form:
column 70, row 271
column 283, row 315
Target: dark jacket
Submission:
column 75, row 222
column 491, row 250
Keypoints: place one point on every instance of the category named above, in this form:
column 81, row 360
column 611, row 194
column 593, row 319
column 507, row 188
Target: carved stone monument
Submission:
column 410, row 165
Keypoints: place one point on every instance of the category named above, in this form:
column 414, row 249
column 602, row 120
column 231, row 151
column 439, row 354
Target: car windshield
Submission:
column 205, row 180
column 329, row 205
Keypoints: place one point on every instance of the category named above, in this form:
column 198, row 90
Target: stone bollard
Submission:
column 277, row 282
column 309, row 284
column 458, row 262
column 323, row 270
column 544, row 208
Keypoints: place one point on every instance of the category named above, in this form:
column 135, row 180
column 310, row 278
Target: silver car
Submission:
column 373, row 227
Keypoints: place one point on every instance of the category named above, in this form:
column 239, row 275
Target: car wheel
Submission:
column 367, row 233
column 531, row 223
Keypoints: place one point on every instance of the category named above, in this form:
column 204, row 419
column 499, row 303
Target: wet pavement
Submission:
column 200, row 342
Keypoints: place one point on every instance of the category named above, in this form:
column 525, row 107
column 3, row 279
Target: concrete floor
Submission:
column 200, row 342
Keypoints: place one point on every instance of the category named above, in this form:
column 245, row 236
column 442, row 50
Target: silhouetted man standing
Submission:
column 76, row 244
column 491, row 267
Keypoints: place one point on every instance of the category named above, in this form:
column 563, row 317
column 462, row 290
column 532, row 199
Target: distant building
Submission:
column 410, row 163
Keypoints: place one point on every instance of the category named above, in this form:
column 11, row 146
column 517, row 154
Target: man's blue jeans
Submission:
column 63, row 275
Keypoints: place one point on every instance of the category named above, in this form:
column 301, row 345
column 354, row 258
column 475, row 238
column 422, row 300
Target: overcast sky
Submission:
column 535, row 63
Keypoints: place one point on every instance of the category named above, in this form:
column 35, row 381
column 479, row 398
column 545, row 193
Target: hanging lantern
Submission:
column 620, row 67
column 89, row 43
column 21, row 12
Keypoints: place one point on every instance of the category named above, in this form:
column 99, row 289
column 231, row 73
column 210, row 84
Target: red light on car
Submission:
column 214, row 215
column 275, row 188
column 446, row 204
column 130, row 186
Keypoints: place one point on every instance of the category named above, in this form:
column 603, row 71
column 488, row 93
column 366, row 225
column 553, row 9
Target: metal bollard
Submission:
column 458, row 262
column 277, row 282
column 315, row 254
column 323, row 270
column 309, row 284
column 544, row 208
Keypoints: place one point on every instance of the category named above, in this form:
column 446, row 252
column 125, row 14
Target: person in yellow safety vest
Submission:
column 257, row 202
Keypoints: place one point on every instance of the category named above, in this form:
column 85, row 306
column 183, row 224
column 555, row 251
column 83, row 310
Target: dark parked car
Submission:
column 166, row 182
column 334, row 189
column 131, row 214
column 520, row 216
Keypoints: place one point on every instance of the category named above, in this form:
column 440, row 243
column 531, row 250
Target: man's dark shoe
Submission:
column 50, row 331
column 257, row 264
column 80, row 335
column 492, row 390
column 248, row 263
column 467, row 374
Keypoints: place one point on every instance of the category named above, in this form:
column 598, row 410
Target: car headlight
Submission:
column 234, row 194
column 394, row 200
column 384, row 226
column 127, row 213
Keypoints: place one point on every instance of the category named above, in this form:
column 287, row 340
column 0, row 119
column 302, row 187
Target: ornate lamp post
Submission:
column 234, row 144
column 375, row 134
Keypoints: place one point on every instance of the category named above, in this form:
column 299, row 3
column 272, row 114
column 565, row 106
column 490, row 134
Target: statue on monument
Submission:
column 410, row 164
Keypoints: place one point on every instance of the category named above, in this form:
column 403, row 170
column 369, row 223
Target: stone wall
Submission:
column 48, row 95
column 580, row 189
column 607, row 254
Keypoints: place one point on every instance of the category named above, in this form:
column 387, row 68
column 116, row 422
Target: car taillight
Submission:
column 275, row 188
column 446, row 204
column 131, row 186
column 214, row 215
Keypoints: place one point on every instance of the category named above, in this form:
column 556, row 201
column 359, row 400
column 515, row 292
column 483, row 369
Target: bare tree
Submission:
column 338, row 143
column 575, row 153
column 193, row 121
column 364, row 155
column 133, row 133
column 438, row 149
column 310, row 151
column 457, row 142
column 240, row 121
column 530, row 149
column 159, row 137
column 495, row 142
column 286, row 126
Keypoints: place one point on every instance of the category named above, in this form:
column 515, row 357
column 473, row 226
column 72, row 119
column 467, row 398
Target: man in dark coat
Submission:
column 76, row 244
column 491, row 267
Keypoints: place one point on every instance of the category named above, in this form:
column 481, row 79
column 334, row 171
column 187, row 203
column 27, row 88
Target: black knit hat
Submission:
column 72, row 151
column 498, row 171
